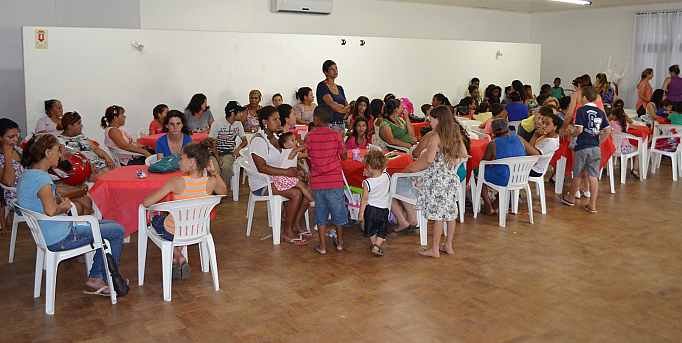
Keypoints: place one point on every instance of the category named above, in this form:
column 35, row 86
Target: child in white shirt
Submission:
column 375, row 200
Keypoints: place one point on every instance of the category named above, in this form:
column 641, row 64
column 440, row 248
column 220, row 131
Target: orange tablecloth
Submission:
column 478, row 147
column 354, row 169
column 150, row 141
column 607, row 149
column 119, row 192
column 418, row 128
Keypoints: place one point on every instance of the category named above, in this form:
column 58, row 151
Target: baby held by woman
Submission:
column 291, row 152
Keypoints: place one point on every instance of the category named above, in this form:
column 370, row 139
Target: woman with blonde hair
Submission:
column 437, row 198
column 604, row 89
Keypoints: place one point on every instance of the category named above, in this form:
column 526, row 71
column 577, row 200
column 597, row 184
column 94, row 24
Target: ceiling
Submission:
column 530, row 6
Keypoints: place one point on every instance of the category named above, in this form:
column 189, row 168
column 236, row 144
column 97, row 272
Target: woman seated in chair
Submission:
column 10, row 160
column 545, row 140
column 396, row 128
column 75, row 142
column 506, row 144
column 177, row 135
column 267, row 158
column 118, row 140
column 37, row 192
column 195, row 160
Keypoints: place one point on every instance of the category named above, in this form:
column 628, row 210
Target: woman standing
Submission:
column 673, row 87
column 198, row 115
column 36, row 192
column 52, row 121
column 436, row 196
column 118, row 140
column 333, row 95
column 176, row 137
column 250, row 115
column 305, row 108
column 644, row 90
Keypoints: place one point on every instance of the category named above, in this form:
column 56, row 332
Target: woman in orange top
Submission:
column 644, row 90
column 200, row 178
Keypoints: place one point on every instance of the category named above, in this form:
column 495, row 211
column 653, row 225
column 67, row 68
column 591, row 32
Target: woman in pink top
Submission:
column 358, row 138
column 644, row 89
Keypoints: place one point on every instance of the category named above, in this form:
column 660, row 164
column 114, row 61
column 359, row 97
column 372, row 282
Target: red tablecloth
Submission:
column 607, row 149
column 150, row 141
column 478, row 147
column 418, row 128
column 353, row 169
column 639, row 131
column 119, row 192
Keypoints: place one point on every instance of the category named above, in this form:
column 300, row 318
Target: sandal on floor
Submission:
column 295, row 241
column 376, row 250
column 566, row 202
column 589, row 209
column 320, row 251
column 634, row 173
column 103, row 291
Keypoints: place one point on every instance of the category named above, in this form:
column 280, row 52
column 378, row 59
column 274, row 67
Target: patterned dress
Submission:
column 7, row 195
column 437, row 195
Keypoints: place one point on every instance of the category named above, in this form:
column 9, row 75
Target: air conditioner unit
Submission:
column 303, row 6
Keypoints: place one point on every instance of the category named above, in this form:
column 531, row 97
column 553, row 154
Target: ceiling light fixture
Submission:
column 575, row 2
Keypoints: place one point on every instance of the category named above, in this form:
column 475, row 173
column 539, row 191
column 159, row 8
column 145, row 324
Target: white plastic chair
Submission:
column 274, row 204
column 515, row 124
column 540, row 183
column 236, row 173
column 519, row 173
column 49, row 260
column 115, row 152
column 619, row 139
column 16, row 219
column 153, row 158
column 663, row 132
column 192, row 219
column 412, row 200
column 379, row 142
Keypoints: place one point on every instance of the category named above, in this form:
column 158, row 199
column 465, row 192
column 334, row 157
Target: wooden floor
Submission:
column 572, row 277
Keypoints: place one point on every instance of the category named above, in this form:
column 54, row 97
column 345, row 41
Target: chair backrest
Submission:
column 32, row 220
column 546, row 159
column 192, row 217
column 514, row 125
column 151, row 159
column 251, row 171
column 519, row 169
column 621, row 139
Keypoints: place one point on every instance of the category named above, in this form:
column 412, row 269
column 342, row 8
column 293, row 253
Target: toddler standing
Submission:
column 375, row 201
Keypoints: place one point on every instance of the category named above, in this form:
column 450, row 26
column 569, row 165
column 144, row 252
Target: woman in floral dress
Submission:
column 437, row 196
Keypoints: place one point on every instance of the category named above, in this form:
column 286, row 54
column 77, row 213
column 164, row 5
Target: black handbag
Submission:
column 120, row 284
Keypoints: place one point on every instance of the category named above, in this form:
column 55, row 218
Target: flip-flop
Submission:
column 320, row 251
column 376, row 250
column 566, row 202
column 102, row 291
column 589, row 209
column 295, row 241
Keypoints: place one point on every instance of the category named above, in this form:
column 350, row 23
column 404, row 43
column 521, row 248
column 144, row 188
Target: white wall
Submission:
column 349, row 17
column 226, row 65
column 17, row 13
column 582, row 41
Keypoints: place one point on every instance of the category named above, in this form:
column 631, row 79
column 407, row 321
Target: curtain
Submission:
column 658, row 45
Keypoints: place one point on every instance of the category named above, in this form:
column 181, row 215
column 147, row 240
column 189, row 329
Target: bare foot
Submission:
column 339, row 245
column 429, row 253
column 447, row 250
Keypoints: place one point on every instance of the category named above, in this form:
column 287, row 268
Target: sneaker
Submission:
column 577, row 195
column 587, row 194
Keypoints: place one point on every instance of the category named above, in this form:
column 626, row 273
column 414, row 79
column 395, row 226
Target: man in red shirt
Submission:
column 325, row 151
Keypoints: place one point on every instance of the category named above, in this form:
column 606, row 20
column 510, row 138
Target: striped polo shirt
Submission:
column 325, row 149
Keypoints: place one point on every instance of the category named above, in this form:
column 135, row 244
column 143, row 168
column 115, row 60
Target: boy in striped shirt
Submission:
column 325, row 151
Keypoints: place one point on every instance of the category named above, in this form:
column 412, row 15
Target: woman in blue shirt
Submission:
column 331, row 95
column 176, row 137
column 36, row 192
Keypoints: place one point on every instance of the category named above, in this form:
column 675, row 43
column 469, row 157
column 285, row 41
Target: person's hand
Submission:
column 211, row 169
column 7, row 150
column 110, row 163
column 292, row 172
column 147, row 153
column 361, row 219
column 65, row 205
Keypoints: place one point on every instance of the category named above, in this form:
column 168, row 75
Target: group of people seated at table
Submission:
column 307, row 171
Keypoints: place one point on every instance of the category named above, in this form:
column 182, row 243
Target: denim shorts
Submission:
column 157, row 224
column 330, row 202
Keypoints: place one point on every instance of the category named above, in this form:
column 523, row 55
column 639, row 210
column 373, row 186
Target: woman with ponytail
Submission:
column 200, row 178
column 118, row 140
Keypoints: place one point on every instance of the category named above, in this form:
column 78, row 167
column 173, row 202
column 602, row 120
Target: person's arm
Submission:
column 210, row 120
column 423, row 143
column 530, row 148
column 169, row 187
column 651, row 111
column 50, row 205
column 219, row 186
column 568, row 119
column 103, row 155
column 9, row 177
column 642, row 93
column 363, row 201
column 298, row 112
column 116, row 136
column 267, row 169
column 489, row 152
column 410, row 129
column 387, row 135
column 336, row 107
column 666, row 84
column 425, row 159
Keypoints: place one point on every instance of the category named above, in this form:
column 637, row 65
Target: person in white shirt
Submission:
column 52, row 121
column 375, row 201
column 226, row 134
column 545, row 140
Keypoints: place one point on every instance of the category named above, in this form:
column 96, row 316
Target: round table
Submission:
column 353, row 170
column 150, row 141
column 119, row 192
